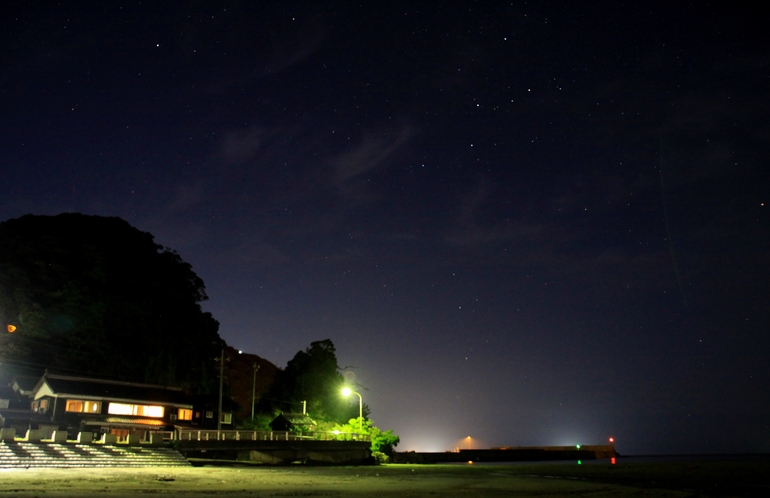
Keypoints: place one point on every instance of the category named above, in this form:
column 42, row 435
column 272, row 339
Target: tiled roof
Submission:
column 108, row 389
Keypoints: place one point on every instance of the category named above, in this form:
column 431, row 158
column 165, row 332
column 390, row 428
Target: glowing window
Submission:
column 226, row 418
column 140, row 410
column 184, row 414
column 80, row 406
column 74, row 406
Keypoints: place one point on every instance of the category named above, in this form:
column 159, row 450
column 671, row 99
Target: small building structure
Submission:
column 207, row 412
column 293, row 422
column 15, row 412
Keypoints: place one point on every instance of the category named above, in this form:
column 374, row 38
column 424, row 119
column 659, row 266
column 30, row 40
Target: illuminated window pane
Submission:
column 74, row 406
column 141, row 410
column 120, row 409
column 92, row 407
column 152, row 411
column 184, row 414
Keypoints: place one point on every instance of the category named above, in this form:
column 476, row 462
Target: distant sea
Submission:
column 747, row 457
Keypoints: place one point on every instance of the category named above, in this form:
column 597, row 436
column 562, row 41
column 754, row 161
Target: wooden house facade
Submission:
column 80, row 404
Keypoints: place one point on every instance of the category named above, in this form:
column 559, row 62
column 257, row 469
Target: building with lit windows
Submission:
column 82, row 404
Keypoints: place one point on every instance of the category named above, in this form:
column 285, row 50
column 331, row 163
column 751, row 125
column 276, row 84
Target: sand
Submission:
column 388, row 480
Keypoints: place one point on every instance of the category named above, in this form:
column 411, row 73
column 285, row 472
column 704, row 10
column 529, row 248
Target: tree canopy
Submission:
column 311, row 376
column 94, row 295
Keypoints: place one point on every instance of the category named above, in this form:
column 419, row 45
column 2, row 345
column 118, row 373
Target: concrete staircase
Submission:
column 22, row 455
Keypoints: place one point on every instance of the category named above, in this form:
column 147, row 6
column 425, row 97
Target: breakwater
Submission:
column 511, row 454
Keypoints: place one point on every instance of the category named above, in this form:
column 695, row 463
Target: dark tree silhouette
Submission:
column 312, row 376
column 94, row 295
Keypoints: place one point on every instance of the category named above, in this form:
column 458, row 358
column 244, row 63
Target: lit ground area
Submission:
column 478, row 481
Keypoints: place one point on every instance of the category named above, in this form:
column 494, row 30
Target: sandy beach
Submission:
column 389, row 480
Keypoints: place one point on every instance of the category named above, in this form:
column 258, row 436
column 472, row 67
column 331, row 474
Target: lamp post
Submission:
column 347, row 392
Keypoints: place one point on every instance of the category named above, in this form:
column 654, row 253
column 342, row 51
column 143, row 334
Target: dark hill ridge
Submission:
column 92, row 295
column 242, row 383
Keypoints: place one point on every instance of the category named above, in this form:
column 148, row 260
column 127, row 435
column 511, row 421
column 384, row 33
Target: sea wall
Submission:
column 511, row 454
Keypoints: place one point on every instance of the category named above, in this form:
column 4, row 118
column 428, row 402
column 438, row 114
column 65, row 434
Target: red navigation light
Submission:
column 612, row 440
column 612, row 460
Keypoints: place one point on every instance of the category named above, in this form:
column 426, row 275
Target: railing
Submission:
column 145, row 436
column 242, row 435
column 158, row 437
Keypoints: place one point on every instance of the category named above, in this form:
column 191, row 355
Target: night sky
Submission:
column 533, row 224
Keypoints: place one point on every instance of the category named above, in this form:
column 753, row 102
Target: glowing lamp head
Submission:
column 346, row 392
column 612, row 440
column 11, row 328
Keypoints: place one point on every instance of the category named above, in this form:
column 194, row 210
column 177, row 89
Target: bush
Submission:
column 380, row 457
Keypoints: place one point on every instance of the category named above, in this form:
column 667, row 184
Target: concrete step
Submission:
column 29, row 455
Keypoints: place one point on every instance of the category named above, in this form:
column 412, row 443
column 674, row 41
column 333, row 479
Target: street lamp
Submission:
column 347, row 392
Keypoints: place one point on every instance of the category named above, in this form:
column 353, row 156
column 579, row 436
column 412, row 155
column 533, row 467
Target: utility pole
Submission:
column 254, row 390
column 221, row 388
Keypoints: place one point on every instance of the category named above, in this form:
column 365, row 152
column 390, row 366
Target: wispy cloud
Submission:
column 283, row 53
column 290, row 54
column 240, row 146
column 367, row 156
column 174, row 220
column 185, row 197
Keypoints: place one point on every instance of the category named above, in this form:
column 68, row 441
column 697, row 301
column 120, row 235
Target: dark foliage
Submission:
column 312, row 376
column 93, row 295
